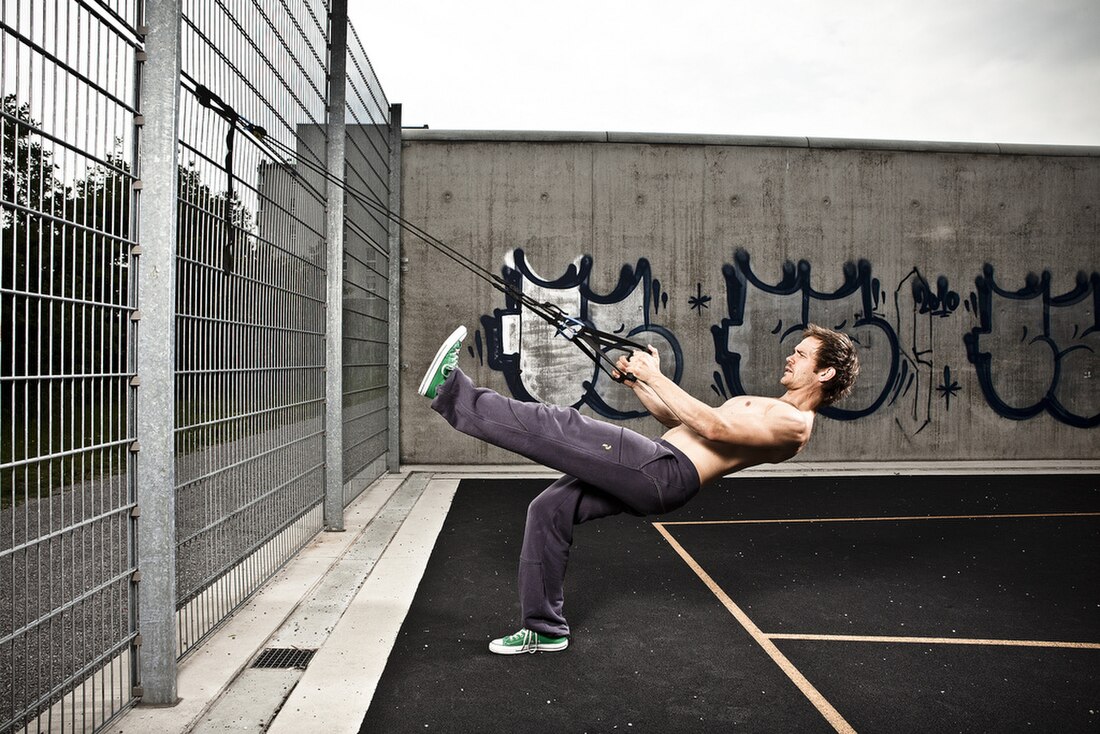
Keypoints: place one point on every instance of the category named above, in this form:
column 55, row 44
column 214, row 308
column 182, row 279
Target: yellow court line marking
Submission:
column 823, row 706
column 898, row 518
column 934, row 640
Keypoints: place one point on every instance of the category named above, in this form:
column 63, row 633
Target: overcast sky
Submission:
column 1009, row 71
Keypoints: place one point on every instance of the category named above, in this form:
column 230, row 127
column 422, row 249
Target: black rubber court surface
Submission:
column 869, row 604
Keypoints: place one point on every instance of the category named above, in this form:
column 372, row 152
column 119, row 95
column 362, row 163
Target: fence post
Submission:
column 156, row 334
column 393, row 452
column 334, row 237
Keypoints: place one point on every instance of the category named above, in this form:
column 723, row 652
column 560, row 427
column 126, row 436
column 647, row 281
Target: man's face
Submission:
column 799, row 368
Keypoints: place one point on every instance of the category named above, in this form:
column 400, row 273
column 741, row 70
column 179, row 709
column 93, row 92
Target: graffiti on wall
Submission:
column 766, row 320
column 1032, row 350
column 919, row 311
column 539, row 364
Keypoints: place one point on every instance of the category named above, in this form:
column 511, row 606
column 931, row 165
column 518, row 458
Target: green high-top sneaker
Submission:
column 446, row 359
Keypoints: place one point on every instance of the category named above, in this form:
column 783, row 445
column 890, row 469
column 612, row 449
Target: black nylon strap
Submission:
column 230, row 230
column 591, row 341
column 218, row 106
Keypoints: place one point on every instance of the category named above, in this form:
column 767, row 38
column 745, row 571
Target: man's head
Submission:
column 836, row 364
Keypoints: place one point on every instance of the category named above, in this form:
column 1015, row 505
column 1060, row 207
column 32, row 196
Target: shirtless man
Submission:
column 609, row 469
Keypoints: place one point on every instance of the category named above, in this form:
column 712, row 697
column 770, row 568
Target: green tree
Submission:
column 63, row 260
column 65, row 273
column 35, row 204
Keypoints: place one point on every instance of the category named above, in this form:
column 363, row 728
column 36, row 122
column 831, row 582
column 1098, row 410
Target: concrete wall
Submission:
column 968, row 274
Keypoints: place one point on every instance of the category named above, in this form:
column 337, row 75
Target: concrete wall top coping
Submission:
column 547, row 136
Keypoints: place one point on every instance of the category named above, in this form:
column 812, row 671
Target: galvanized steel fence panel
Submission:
column 66, row 297
column 251, row 304
column 366, row 272
column 250, row 329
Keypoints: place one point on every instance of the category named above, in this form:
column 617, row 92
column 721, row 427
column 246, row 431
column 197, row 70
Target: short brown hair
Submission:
column 838, row 351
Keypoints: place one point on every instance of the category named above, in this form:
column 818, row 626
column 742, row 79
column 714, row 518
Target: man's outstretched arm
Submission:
column 652, row 402
column 776, row 428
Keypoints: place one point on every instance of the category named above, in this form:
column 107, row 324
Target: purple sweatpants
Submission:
column 609, row 469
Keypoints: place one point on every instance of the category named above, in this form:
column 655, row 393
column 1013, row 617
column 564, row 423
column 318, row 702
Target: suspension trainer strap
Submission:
column 588, row 339
column 230, row 231
column 591, row 341
column 219, row 107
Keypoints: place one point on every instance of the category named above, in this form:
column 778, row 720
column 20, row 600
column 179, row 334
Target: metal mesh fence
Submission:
column 250, row 304
column 250, row 328
column 366, row 272
column 66, row 296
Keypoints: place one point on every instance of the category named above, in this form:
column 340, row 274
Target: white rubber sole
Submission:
column 497, row 647
column 457, row 335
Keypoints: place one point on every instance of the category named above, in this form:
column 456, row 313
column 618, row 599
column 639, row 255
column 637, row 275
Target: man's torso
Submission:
column 713, row 459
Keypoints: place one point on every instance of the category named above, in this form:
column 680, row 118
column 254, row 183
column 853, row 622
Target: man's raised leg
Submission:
column 606, row 474
column 606, row 456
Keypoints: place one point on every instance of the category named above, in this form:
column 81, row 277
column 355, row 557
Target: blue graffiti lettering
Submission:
column 1034, row 351
column 750, row 360
column 539, row 367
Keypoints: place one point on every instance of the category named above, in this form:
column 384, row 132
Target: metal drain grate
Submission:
column 284, row 657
